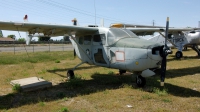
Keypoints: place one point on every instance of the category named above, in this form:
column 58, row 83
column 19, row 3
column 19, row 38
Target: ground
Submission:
column 97, row 89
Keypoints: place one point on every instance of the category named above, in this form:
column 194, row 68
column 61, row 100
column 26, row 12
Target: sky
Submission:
column 182, row 13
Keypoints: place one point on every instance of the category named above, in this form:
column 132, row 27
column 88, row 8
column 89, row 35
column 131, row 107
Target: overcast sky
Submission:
column 182, row 13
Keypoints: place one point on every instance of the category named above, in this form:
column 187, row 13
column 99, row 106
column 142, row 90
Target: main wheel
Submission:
column 70, row 74
column 121, row 72
column 140, row 81
column 179, row 54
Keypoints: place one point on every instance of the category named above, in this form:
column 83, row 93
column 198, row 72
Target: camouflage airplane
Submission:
column 108, row 47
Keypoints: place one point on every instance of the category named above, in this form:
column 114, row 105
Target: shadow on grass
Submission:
column 78, row 87
column 154, row 82
column 173, row 58
column 179, row 72
column 61, row 70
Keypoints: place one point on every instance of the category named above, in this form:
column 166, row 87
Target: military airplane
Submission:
column 178, row 37
column 108, row 47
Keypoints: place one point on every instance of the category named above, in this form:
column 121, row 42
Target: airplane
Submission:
column 179, row 37
column 107, row 47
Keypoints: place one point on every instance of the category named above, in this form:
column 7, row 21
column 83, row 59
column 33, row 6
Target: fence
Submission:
column 35, row 46
column 36, row 42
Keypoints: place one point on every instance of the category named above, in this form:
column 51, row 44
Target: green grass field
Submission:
column 97, row 89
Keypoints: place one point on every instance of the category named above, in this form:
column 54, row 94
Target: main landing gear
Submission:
column 70, row 73
column 140, row 81
column 179, row 54
column 121, row 72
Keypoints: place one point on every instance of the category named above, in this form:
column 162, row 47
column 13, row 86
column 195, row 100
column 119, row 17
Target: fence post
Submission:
column 14, row 46
column 33, row 47
column 49, row 46
column 63, row 44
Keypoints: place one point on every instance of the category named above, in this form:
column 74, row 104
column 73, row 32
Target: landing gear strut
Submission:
column 195, row 48
column 70, row 73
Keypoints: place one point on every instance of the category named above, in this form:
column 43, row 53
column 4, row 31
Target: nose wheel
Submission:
column 70, row 74
column 140, row 81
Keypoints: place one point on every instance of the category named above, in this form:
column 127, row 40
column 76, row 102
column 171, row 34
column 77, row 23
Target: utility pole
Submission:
column 153, row 22
column 199, row 24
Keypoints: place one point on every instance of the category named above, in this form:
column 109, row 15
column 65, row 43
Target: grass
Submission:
column 16, row 88
column 97, row 88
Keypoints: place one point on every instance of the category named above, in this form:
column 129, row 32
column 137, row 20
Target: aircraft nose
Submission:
column 157, row 50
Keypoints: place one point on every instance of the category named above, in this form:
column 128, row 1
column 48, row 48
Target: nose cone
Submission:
column 135, row 43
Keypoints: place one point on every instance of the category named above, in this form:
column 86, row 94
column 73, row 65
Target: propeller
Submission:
column 164, row 55
column 74, row 54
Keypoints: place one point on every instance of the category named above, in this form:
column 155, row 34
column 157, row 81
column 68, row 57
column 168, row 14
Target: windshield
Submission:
column 114, row 34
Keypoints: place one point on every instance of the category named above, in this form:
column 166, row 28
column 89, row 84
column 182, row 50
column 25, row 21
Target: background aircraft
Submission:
column 178, row 37
column 107, row 47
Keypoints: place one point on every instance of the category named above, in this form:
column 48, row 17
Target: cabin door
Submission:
column 99, row 52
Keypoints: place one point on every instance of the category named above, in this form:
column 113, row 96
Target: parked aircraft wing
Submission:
column 150, row 31
column 121, row 25
column 46, row 29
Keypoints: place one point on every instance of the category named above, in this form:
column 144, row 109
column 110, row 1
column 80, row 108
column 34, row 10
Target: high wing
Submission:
column 150, row 31
column 142, row 30
column 46, row 29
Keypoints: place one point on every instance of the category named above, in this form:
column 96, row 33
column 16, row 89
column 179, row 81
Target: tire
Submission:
column 179, row 54
column 121, row 72
column 70, row 74
column 140, row 81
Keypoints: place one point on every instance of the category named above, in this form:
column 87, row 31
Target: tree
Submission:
column 21, row 40
column 1, row 34
column 11, row 36
column 46, row 38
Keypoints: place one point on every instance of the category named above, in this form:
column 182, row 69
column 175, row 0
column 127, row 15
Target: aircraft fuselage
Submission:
column 117, row 48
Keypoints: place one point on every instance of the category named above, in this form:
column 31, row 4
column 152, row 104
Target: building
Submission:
column 6, row 39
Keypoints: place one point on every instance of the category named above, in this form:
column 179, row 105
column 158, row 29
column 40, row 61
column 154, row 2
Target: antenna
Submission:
column 95, row 11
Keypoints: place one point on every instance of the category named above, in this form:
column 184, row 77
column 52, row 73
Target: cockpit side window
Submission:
column 80, row 41
column 87, row 39
column 100, row 38
column 97, row 38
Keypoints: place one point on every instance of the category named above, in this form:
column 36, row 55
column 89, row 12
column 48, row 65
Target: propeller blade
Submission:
column 166, row 31
column 163, row 70
column 165, row 53
column 74, row 53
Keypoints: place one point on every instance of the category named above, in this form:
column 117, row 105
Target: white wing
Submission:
column 46, row 29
